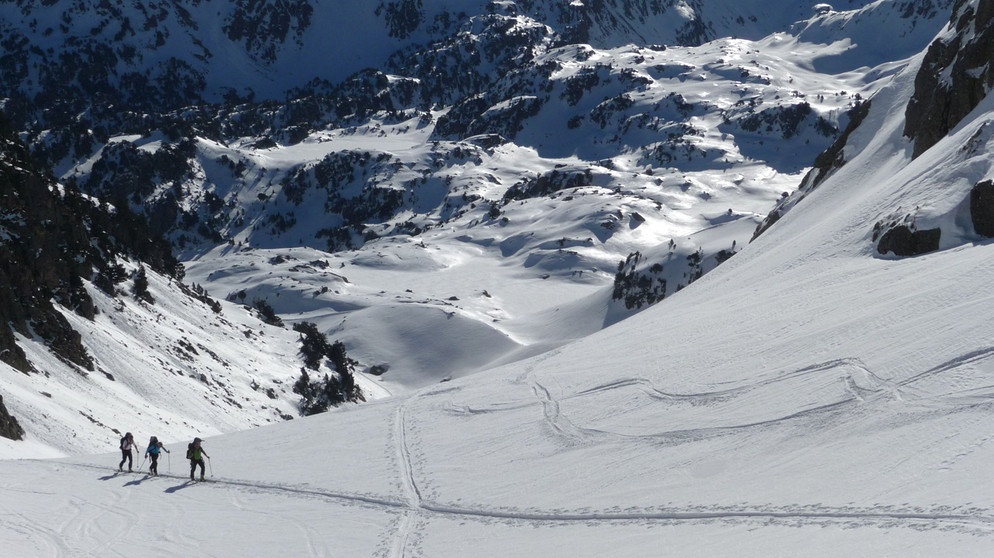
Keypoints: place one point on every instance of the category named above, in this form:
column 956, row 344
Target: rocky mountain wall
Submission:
column 955, row 75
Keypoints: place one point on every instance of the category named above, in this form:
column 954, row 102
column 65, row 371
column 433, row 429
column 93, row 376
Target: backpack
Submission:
column 123, row 440
column 189, row 451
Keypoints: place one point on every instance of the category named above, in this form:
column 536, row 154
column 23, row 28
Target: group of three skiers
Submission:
column 194, row 453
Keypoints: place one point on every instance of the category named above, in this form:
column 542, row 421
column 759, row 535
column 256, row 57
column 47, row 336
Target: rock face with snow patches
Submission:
column 953, row 78
column 9, row 428
column 57, row 239
column 955, row 75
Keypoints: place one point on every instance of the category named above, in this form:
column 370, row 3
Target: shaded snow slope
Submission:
column 174, row 363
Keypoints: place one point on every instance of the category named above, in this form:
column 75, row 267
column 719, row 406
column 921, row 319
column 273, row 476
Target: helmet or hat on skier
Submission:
column 195, row 440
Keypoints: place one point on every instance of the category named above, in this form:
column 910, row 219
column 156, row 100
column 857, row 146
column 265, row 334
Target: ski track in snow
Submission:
column 49, row 542
column 559, row 424
column 976, row 520
column 414, row 511
column 859, row 385
column 570, row 433
column 411, row 491
column 402, row 539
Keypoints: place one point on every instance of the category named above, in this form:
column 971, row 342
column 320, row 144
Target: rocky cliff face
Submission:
column 955, row 75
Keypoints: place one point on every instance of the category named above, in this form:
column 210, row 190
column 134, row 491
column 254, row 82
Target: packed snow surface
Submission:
column 809, row 397
column 806, row 398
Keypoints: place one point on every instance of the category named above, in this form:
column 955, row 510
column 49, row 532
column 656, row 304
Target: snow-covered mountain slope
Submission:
column 100, row 333
column 174, row 363
column 951, row 83
column 547, row 167
column 490, row 190
column 811, row 396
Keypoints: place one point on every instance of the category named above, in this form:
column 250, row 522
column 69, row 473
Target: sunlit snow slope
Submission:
column 807, row 398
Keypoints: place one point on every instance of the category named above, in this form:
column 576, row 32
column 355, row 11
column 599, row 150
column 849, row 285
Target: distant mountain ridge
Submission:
column 173, row 112
column 164, row 55
column 131, row 69
column 115, row 58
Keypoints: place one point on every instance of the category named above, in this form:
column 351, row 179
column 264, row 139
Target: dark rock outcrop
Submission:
column 9, row 428
column 982, row 208
column 955, row 75
column 547, row 183
column 903, row 241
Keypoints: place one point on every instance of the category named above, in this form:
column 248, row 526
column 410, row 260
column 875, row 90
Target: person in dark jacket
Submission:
column 152, row 452
column 127, row 443
column 196, row 455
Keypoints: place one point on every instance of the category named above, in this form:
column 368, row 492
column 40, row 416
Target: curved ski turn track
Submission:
column 488, row 477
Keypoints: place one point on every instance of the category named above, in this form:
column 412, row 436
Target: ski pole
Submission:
column 143, row 463
column 169, row 456
column 209, row 466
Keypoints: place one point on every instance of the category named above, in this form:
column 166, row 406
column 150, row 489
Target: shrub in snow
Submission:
column 637, row 288
column 318, row 395
column 140, row 286
column 266, row 311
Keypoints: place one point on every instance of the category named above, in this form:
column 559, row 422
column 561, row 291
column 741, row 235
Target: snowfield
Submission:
column 809, row 397
column 806, row 398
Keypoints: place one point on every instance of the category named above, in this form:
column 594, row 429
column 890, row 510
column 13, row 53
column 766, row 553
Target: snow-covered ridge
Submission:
column 239, row 46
